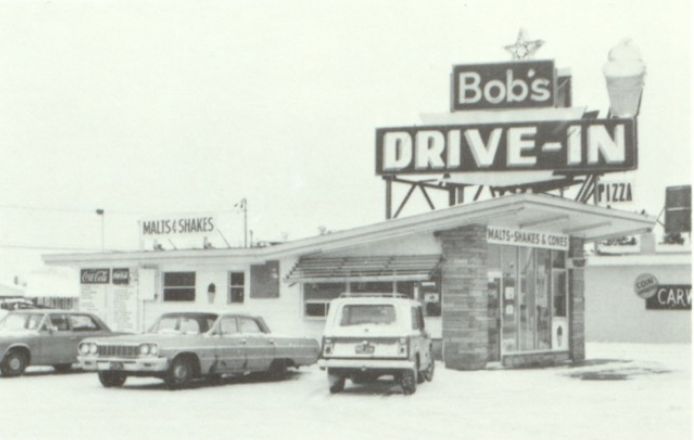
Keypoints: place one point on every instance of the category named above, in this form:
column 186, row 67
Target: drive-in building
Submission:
column 501, row 279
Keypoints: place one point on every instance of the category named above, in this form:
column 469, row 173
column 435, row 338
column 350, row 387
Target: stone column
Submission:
column 577, row 338
column 464, row 290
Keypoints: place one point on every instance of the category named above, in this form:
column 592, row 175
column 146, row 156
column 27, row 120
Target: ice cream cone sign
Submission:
column 624, row 74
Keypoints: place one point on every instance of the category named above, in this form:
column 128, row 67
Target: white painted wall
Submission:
column 284, row 315
column 615, row 313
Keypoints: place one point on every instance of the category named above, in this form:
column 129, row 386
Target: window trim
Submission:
column 164, row 287
column 232, row 286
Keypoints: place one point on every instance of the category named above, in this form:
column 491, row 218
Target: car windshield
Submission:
column 186, row 324
column 359, row 314
column 21, row 321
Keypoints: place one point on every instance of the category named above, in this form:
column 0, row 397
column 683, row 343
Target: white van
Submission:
column 369, row 335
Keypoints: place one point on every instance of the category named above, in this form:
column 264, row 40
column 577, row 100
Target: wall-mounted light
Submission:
column 211, row 292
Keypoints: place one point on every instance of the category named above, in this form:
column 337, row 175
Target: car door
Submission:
column 260, row 347
column 59, row 345
column 230, row 350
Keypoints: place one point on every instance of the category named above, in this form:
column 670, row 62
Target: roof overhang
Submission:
column 524, row 211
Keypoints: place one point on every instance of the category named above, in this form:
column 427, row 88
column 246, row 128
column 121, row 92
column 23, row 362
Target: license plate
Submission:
column 116, row 365
column 364, row 349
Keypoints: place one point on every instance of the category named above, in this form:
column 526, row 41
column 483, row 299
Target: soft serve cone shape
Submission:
column 624, row 73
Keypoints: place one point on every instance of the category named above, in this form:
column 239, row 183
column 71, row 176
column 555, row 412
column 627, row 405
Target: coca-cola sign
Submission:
column 94, row 276
column 121, row 276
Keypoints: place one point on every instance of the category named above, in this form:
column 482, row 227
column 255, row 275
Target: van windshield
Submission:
column 359, row 314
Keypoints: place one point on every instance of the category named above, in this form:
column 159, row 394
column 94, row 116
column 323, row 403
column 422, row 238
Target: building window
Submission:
column 237, row 287
column 371, row 287
column 179, row 286
column 317, row 297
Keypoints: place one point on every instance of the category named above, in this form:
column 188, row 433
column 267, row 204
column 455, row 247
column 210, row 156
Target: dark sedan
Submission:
column 45, row 337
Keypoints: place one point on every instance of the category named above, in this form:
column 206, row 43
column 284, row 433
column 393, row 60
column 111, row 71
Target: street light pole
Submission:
column 100, row 213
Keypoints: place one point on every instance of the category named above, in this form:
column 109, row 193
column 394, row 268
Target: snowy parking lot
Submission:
column 621, row 392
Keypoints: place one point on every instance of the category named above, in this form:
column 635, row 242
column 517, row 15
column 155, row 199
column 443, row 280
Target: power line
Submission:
column 115, row 211
column 47, row 248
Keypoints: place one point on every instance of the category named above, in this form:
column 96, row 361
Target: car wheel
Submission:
column 62, row 368
column 420, row 374
column 14, row 364
column 408, row 381
column 429, row 372
column 180, row 373
column 337, row 383
column 277, row 370
column 112, row 378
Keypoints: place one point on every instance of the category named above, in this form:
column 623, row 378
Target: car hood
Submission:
column 150, row 338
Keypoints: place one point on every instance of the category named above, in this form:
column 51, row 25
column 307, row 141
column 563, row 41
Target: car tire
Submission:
column 429, row 372
column 180, row 373
column 408, row 381
column 62, row 368
column 336, row 383
column 14, row 363
column 111, row 379
column 277, row 370
column 420, row 374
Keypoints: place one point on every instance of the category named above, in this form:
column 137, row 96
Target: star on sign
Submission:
column 523, row 48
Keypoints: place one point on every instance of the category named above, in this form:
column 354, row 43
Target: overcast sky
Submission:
column 149, row 107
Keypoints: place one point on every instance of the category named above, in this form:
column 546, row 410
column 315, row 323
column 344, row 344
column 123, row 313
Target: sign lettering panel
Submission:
column 522, row 237
column 504, row 85
column 598, row 145
column 671, row 297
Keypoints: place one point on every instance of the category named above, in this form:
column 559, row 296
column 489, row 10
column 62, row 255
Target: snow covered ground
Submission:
column 622, row 392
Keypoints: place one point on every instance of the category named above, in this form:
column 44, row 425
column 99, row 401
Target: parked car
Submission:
column 44, row 337
column 181, row 347
column 368, row 336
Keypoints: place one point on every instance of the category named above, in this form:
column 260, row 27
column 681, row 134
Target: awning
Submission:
column 367, row 268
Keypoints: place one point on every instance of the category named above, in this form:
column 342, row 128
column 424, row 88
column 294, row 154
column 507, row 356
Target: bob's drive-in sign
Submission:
column 567, row 145
column 581, row 145
column 510, row 85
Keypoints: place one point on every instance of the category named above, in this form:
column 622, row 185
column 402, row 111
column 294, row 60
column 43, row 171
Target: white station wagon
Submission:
column 367, row 336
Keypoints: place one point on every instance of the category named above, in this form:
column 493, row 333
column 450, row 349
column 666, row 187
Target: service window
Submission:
column 179, row 286
column 237, row 287
column 248, row 325
column 83, row 323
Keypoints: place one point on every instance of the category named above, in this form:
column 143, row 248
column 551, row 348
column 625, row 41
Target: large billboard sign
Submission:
column 590, row 145
column 503, row 85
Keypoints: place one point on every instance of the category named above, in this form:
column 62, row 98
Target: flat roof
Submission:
column 540, row 212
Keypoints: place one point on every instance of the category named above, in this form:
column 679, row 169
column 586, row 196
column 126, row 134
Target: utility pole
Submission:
column 245, row 223
column 100, row 213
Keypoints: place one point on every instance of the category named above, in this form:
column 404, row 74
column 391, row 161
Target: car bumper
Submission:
column 142, row 365
column 365, row 364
